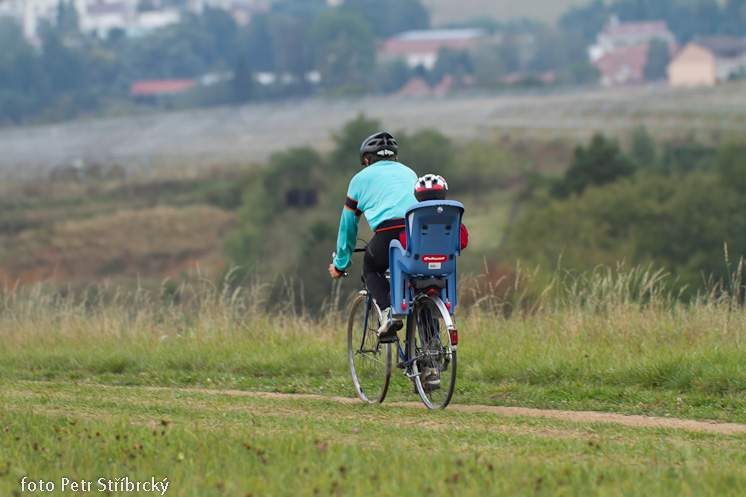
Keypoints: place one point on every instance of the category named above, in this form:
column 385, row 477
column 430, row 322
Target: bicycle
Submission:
column 423, row 285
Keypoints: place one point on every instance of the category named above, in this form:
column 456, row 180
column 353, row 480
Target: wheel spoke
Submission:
column 374, row 359
column 369, row 361
column 435, row 364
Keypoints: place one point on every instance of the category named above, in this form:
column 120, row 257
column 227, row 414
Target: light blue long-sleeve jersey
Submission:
column 382, row 191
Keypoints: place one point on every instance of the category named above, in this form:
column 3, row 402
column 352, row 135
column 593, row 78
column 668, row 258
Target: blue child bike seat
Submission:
column 428, row 263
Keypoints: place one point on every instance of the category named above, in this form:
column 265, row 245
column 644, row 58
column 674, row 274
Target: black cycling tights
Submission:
column 375, row 264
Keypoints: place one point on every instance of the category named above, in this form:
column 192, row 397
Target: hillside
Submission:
column 81, row 232
column 187, row 141
column 169, row 213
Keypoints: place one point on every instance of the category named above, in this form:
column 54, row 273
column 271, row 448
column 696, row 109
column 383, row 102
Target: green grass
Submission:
column 211, row 443
column 168, row 385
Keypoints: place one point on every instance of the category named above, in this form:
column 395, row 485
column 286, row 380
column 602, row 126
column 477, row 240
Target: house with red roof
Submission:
column 621, row 50
column 616, row 35
column 623, row 66
column 160, row 87
column 421, row 47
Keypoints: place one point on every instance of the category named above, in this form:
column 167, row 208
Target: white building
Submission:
column 616, row 35
column 94, row 16
column 6, row 11
column 100, row 17
column 241, row 10
column 421, row 47
column 31, row 12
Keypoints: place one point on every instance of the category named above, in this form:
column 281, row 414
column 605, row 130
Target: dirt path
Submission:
column 574, row 416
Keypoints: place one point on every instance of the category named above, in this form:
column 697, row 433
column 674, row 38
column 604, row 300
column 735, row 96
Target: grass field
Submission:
column 443, row 11
column 191, row 384
column 205, row 443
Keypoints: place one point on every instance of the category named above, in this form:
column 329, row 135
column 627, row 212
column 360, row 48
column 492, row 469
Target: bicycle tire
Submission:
column 432, row 352
column 369, row 360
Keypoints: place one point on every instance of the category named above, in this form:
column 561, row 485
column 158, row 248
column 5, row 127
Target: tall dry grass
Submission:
column 611, row 338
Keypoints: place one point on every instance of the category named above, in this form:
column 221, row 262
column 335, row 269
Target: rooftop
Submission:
column 149, row 87
column 441, row 35
column 636, row 28
column 723, row 46
column 101, row 8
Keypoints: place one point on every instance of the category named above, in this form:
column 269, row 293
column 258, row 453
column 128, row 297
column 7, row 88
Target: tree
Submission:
column 679, row 223
column 185, row 50
column 578, row 73
column 221, row 27
column 487, row 23
column 554, row 48
column 735, row 14
column 345, row 49
column 392, row 76
column 686, row 155
column 659, row 55
column 427, row 151
column 243, row 81
column 450, row 61
column 587, row 20
column 600, row 163
column 386, row 18
column 294, row 53
column 489, row 65
column 345, row 158
column 257, row 41
column 67, row 18
column 63, row 66
column 22, row 81
column 20, row 70
column 730, row 163
column 304, row 10
column 264, row 198
column 643, row 148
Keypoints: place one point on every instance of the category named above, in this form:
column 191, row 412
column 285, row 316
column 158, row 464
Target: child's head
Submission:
column 430, row 187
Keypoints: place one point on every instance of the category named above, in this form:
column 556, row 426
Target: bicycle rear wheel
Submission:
column 370, row 361
column 433, row 352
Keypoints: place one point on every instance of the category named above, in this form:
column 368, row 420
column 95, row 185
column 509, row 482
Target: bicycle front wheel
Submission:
column 432, row 352
column 370, row 361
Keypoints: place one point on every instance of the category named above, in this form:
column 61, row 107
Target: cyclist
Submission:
column 383, row 192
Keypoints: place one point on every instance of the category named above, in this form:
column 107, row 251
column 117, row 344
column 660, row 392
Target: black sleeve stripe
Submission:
column 352, row 205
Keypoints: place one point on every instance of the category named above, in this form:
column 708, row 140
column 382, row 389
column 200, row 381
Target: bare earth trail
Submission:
column 634, row 421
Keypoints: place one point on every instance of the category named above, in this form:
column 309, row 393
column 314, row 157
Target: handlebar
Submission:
column 357, row 249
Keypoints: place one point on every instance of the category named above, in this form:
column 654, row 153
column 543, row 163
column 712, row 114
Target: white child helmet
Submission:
column 430, row 187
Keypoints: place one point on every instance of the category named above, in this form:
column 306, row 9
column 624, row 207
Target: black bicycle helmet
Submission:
column 430, row 187
column 381, row 144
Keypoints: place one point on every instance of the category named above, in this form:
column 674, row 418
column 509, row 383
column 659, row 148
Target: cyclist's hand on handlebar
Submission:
column 334, row 273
